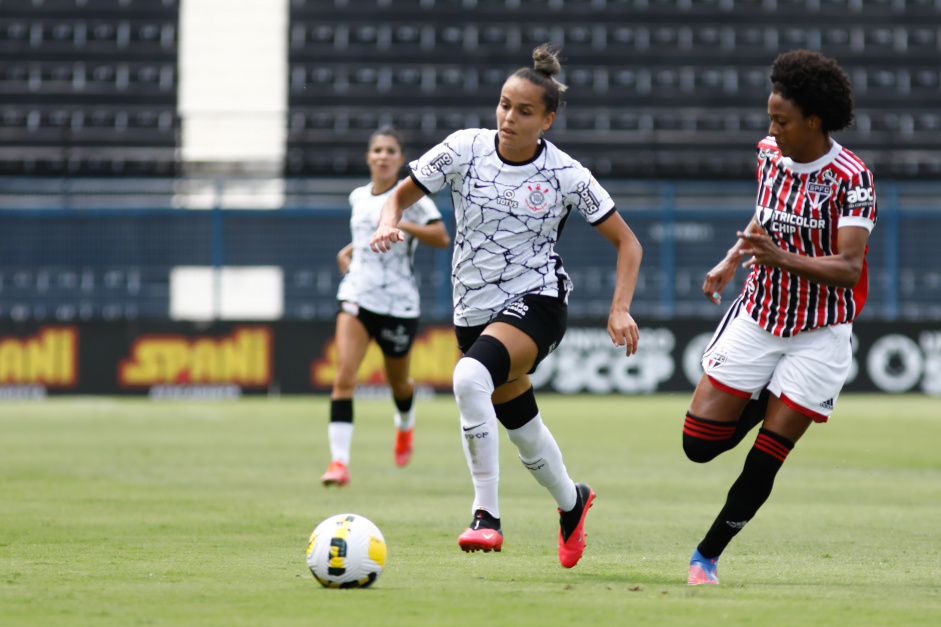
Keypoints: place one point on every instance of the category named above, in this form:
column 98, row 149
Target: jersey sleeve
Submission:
column 859, row 202
column 423, row 212
column 766, row 150
column 587, row 195
column 433, row 169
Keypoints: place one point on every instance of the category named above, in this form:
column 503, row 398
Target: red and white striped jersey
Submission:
column 802, row 205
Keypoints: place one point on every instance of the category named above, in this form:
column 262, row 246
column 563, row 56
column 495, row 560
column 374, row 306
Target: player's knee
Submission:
column 494, row 356
column 343, row 387
column 346, row 377
column 403, row 388
column 699, row 450
column 704, row 439
column 470, row 378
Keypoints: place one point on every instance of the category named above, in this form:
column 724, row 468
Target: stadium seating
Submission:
column 685, row 71
column 674, row 68
column 659, row 89
column 88, row 87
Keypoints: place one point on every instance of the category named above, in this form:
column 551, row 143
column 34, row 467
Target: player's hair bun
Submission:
column 546, row 61
column 546, row 66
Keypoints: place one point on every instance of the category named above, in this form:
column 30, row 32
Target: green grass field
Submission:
column 131, row 512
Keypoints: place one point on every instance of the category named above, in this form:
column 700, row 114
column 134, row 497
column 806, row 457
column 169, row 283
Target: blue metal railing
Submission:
column 103, row 251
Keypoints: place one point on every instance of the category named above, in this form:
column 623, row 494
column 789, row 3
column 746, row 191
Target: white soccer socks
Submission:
column 540, row 453
column 405, row 422
column 473, row 388
column 340, row 435
column 538, row 450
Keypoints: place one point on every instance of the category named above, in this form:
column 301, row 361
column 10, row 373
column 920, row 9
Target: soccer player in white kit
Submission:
column 786, row 338
column 378, row 299
column 512, row 193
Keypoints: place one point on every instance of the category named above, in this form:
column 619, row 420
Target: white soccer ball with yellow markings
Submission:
column 346, row 551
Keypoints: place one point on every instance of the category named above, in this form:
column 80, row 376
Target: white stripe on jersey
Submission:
column 508, row 219
column 383, row 283
column 802, row 206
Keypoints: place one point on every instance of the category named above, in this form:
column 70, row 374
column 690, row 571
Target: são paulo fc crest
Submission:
column 536, row 200
column 818, row 193
column 715, row 359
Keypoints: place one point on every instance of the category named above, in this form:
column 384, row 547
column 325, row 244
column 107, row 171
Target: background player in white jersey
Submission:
column 787, row 336
column 378, row 299
column 512, row 193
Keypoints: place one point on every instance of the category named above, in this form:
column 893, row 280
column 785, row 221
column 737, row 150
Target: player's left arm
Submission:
column 433, row 233
column 621, row 325
column 840, row 270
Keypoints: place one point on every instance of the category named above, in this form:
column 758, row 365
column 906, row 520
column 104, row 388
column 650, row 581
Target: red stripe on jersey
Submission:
column 801, row 211
column 772, row 447
column 861, row 290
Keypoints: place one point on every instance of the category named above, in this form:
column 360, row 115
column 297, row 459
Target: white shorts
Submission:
column 806, row 371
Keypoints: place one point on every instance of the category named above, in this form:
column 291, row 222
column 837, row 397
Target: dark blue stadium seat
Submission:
column 429, row 64
column 89, row 86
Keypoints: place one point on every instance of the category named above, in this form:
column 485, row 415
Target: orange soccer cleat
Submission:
column 337, row 474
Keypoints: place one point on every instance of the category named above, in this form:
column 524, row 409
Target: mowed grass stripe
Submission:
column 126, row 512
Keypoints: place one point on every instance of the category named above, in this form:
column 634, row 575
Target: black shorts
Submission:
column 393, row 335
column 543, row 318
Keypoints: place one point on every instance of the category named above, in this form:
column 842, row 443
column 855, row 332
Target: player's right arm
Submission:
column 724, row 271
column 405, row 194
column 344, row 257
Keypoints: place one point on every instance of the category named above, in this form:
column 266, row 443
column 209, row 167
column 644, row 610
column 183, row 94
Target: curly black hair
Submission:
column 817, row 85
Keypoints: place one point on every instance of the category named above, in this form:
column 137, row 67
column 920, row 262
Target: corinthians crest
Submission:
column 536, row 200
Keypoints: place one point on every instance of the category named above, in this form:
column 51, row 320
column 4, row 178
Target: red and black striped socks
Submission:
column 749, row 492
column 704, row 439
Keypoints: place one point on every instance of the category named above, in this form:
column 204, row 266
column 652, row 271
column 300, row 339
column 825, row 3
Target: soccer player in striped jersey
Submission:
column 378, row 299
column 782, row 352
column 512, row 193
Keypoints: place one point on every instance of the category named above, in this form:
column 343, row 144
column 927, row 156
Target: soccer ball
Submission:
column 346, row 551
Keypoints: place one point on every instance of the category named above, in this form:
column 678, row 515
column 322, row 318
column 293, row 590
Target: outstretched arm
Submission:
column 724, row 271
column 621, row 326
column 405, row 194
column 433, row 233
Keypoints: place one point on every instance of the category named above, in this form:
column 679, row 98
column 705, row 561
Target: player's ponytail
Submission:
column 546, row 66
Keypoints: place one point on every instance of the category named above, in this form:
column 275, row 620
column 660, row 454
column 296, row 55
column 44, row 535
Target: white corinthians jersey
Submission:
column 508, row 219
column 383, row 283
